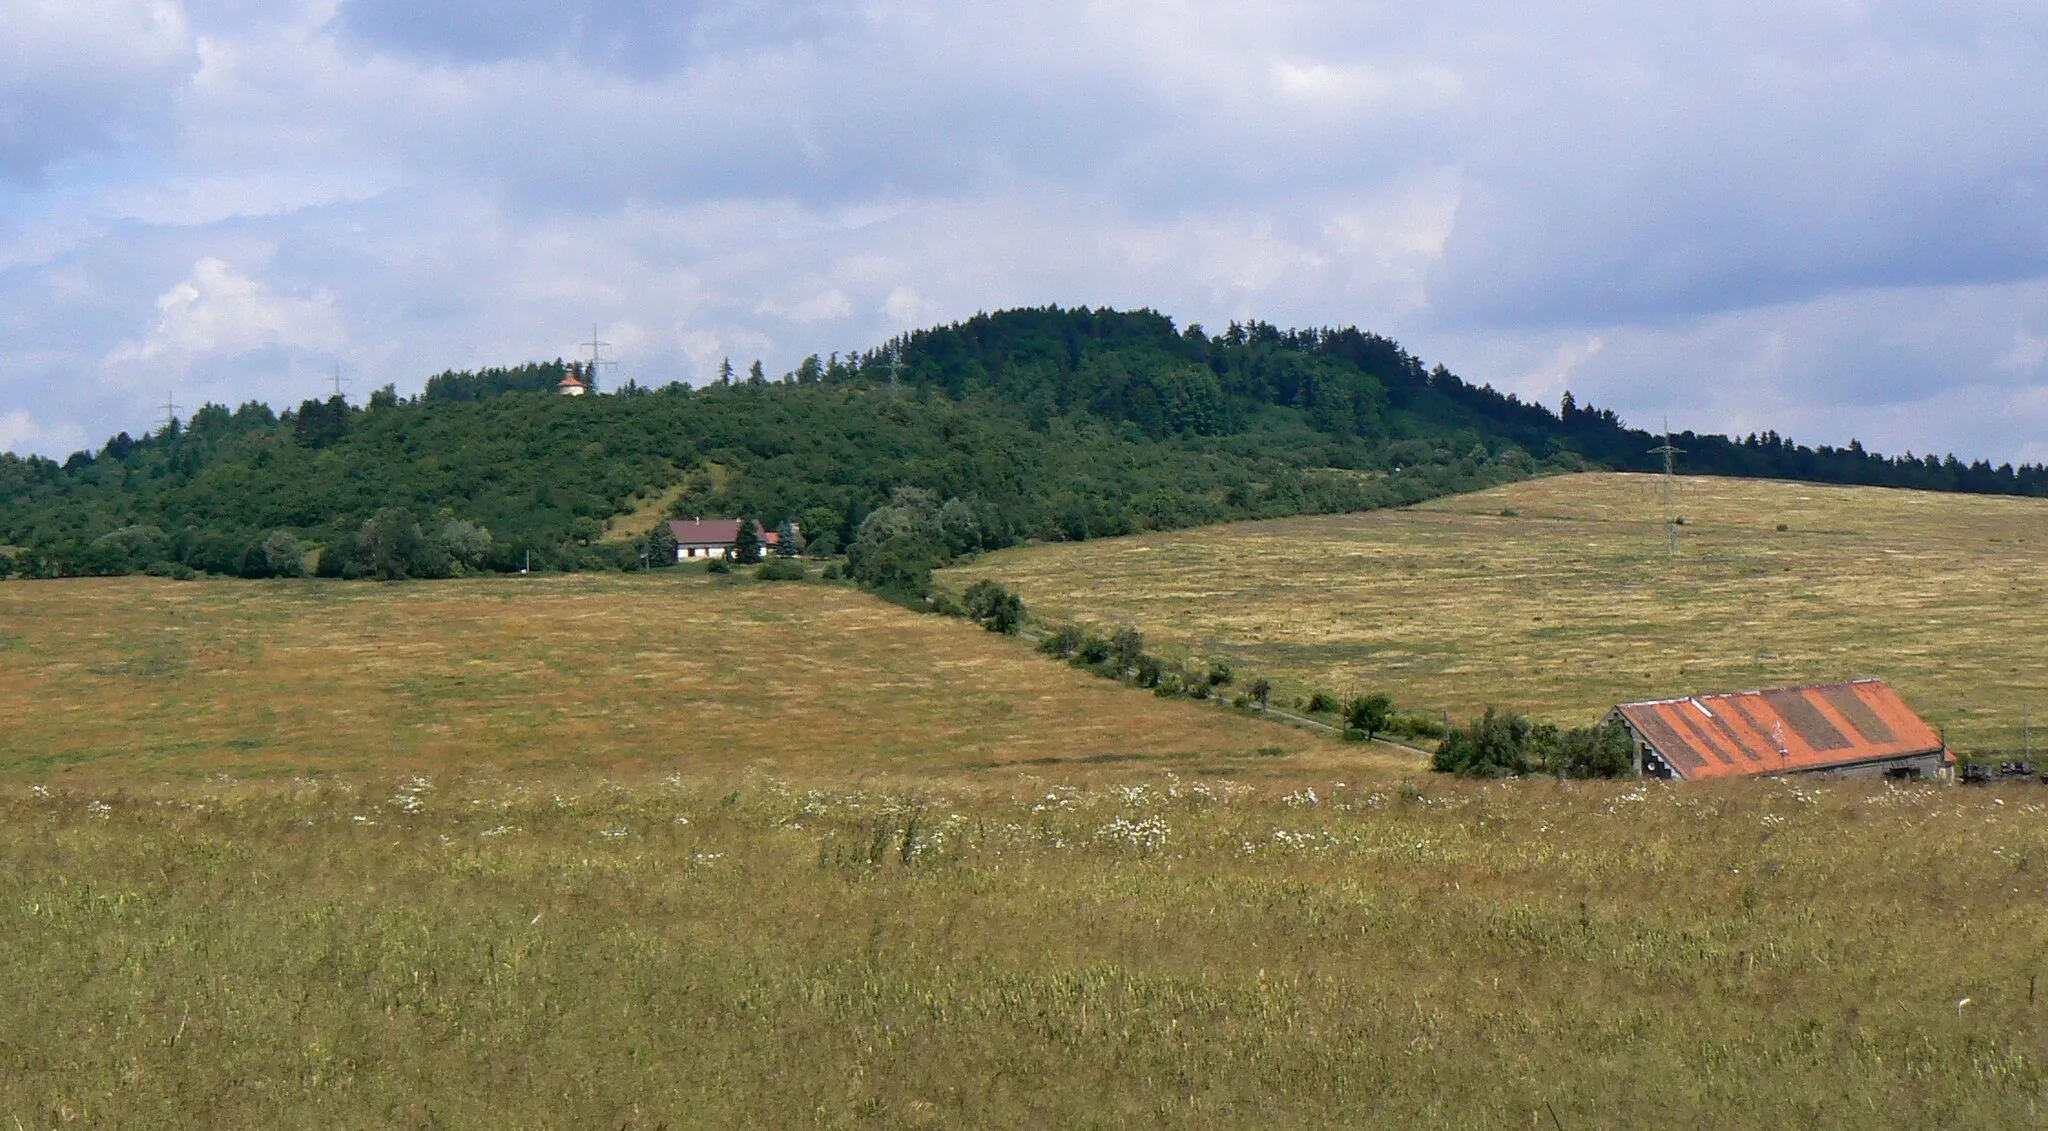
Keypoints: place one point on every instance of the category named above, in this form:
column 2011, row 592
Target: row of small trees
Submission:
column 1494, row 745
column 1500, row 744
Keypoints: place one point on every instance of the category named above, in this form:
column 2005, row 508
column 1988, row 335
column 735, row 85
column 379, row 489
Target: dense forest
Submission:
column 1044, row 423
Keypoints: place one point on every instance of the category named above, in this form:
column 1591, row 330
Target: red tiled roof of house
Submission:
column 1784, row 729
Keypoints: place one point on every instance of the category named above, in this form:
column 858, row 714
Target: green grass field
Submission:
column 1168, row 952
column 1555, row 597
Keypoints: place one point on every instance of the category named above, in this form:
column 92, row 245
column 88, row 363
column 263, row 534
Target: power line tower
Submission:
column 597, row 346
column 337, row 381
column 171, row 410
column 1670, row 485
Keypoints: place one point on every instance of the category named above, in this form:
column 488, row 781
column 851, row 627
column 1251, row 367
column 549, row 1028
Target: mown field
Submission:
column 676, row 851
column 1555, row 597
column 1170, row 952
column 140, row 680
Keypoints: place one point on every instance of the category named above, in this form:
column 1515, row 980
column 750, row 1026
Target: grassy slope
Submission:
column 1569, row 605
column 137, row 679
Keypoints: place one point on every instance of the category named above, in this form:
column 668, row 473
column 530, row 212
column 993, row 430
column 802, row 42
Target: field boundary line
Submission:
column 1277, row 714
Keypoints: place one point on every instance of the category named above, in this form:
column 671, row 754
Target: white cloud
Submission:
column 218, row 310
column 18, row 430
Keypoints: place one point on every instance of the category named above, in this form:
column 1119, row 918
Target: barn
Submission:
column 1856, row 729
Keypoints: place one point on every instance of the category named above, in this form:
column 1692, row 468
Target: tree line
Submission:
column 1042, row 424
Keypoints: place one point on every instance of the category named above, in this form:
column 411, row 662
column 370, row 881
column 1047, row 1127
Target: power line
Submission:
column 597, row 346
column 171, row 410
column 1670, row 483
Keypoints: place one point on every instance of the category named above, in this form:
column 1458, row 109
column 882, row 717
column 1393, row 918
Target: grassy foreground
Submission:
column 1161, row 953
column 1554, row 597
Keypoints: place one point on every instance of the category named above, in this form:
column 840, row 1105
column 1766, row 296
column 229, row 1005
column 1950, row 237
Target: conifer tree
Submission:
column 746, row 545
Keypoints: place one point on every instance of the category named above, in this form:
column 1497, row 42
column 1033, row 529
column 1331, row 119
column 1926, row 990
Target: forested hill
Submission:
column 1043, row 423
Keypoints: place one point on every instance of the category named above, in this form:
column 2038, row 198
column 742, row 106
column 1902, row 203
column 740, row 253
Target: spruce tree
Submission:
column 746, row 545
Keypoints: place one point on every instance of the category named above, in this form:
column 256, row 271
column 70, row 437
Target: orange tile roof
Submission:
column 1786, row 729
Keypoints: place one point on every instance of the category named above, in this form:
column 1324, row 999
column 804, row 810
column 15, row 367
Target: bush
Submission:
column 718, row 565
column 1061, row 642
column 994, row 607
column 1092, row 651
column 1262, row 692
column 1497, row 745
column 832, row 572
column 1587, row 752
column 781, row 569
column 1493, row 746
column 1219, row 673
column 1321, row 702
column 1416, row 724
column 1149, row 671
column 1126, row 646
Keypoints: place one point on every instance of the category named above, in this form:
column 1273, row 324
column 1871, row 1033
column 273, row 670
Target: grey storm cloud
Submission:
column 1827, row 218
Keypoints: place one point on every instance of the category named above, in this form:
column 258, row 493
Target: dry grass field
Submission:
column 1168, row 952
column 680, row 851
column 1555, row 597
column 142, row 680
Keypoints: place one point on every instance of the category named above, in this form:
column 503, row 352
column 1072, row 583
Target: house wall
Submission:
column 702, row 553
column 1926, row 767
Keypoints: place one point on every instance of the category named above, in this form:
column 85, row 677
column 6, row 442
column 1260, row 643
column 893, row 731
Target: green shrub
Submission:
column 1093, row 651
column 781, row 569
column 1416, row 724
column 994, row 608
column 1061, row 642
column 1321, row 702
column 1369, row 713
column 718, row 565
column 1219, row 673
column 832, row 572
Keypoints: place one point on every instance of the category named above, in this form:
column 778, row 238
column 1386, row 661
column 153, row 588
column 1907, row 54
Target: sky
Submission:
column 1824, row 218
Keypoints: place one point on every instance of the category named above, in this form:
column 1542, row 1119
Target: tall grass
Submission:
column 1155, row 952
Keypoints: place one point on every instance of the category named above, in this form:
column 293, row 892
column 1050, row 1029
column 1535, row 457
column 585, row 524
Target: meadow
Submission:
column 1555, row 597
column 1163, row 952
column 127, row 680
column 689, row 851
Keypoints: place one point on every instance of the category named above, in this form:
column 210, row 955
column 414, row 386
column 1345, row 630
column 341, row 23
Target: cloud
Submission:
column 220, row 311
column 78, row 78
column 1827, row 218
